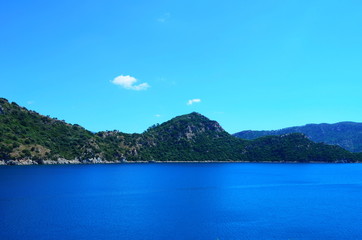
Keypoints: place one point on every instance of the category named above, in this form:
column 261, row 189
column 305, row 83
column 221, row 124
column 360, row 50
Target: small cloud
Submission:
column 30, row 102
column 192, row 101
column 158, row 115
column 128, row 82
column 164, row 18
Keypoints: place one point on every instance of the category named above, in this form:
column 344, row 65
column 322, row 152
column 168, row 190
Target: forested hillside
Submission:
column 27, row 136
column 348, row 135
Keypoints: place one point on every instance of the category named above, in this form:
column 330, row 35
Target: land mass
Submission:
column 28, row 137
column 347, row 135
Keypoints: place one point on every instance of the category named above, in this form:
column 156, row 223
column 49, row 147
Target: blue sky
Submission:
column 126, row 65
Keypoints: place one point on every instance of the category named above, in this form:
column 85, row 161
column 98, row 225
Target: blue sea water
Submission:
column 224, row 201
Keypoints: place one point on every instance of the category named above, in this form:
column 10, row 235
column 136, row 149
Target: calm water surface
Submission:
column 224, row 201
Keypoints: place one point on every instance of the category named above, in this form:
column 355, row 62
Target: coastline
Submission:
column 25, row 162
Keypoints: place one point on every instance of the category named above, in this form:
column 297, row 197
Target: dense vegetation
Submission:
column 28, row 135
column 192, row 137
column 348, row 135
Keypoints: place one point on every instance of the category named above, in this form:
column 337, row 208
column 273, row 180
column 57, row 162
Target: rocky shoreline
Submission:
column 62, row 161
column 55, row 162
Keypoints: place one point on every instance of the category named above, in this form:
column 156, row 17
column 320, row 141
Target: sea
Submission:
column 205, row 201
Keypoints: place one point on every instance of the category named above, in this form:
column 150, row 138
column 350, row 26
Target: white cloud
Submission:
column 158, row 115
column 192, row 101
column 128, row 82
column 164, row 18
column 30, row 102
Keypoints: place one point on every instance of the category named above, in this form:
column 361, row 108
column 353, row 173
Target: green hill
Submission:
column 191, row 137
column 348, row 135
column 28, row 137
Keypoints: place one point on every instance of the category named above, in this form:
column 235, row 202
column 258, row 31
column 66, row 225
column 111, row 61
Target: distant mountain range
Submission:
column 348, row 135
column 30, row 138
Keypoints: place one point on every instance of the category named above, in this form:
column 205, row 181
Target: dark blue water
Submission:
column 181, row 201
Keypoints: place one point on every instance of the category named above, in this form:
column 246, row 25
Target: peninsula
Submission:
column 28, row 137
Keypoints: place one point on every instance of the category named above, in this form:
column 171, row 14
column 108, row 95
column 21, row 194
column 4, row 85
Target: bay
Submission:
column 181, row 201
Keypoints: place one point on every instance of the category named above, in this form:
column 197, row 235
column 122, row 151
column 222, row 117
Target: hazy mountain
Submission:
column 345, row 134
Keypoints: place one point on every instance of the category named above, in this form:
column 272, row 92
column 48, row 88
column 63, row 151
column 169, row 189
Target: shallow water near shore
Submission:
column 181, row 201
